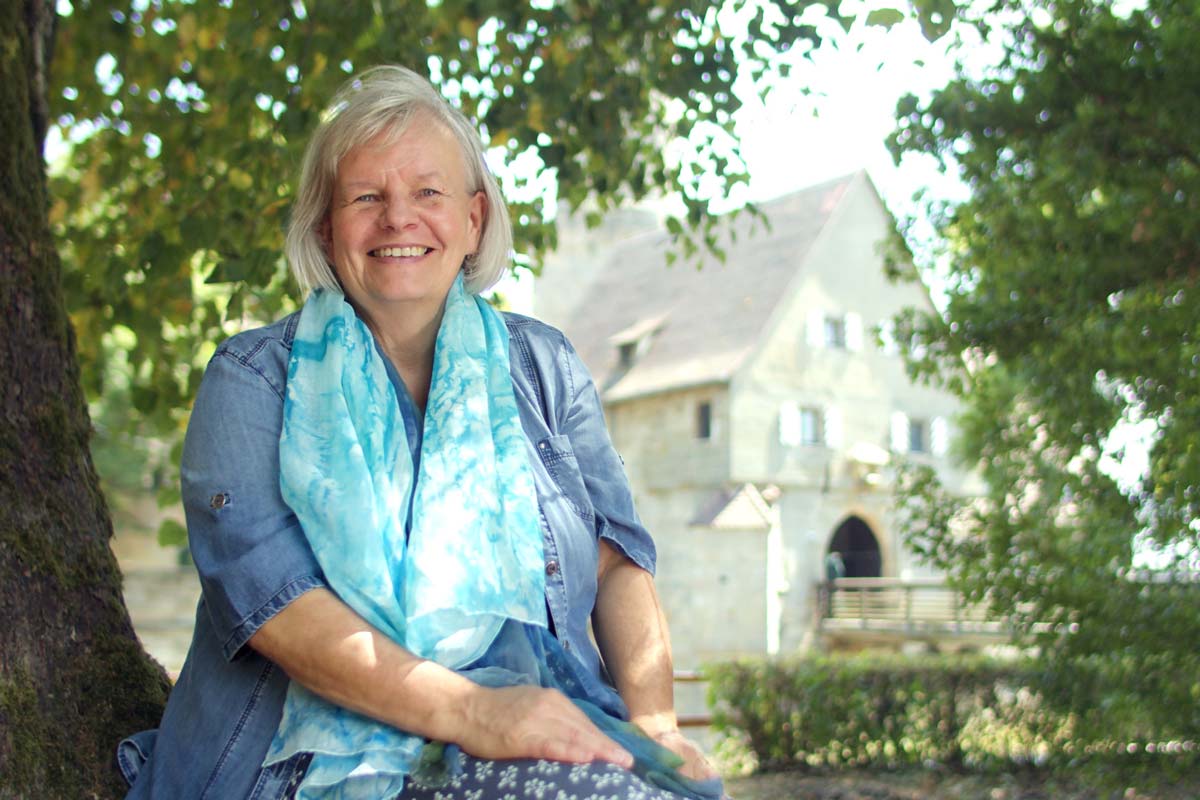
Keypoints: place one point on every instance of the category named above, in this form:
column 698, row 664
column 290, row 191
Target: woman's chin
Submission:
column 401, row 298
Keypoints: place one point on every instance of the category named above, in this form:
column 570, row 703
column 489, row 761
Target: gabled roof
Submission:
column 738, row 508
column 681, row 326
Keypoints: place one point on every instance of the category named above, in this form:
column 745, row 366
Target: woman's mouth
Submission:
column 399, row 252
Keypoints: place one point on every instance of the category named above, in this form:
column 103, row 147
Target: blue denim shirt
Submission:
column 253, row 558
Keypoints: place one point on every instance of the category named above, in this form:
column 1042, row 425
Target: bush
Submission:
column 891, row 712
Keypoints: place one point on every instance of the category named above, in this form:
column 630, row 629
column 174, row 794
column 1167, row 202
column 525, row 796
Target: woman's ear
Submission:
column 325, row 234
column 476, row 219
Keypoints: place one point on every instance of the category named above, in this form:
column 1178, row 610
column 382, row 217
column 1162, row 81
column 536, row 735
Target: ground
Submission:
column 939, row 785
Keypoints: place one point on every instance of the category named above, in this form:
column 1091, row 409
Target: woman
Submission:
column 405, row 510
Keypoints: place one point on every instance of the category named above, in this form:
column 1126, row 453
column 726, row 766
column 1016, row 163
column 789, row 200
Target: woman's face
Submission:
column 401, row 220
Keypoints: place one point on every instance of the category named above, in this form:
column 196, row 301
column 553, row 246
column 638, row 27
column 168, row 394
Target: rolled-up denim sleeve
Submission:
column 248, row 546
column 603, row 472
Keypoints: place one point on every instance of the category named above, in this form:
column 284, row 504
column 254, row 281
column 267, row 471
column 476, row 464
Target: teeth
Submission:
column 401, row 252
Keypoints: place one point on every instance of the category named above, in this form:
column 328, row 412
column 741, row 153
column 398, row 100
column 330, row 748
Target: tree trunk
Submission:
column 73, row 677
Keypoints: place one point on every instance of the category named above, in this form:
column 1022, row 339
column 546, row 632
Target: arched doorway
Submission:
column 858, row 547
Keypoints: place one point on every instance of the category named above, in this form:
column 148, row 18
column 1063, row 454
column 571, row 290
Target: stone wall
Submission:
column 712, row 582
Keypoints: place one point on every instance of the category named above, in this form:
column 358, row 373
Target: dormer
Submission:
column 635, row 341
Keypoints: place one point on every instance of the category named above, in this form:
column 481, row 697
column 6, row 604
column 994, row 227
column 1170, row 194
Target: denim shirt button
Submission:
column 552, row 568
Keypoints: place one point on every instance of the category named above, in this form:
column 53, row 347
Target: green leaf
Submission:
column 171, row 534
column 885, row 17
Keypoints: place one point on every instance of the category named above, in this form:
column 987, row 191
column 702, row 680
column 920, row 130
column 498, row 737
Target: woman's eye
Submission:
column 366, row 198
column 428, row 192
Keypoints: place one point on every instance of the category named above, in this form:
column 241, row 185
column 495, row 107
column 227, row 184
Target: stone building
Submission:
column 755, row 412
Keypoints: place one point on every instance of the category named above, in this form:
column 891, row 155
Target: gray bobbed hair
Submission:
column 384, row 100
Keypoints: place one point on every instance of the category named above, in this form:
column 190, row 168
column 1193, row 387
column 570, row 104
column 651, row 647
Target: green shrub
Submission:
column 892, row 712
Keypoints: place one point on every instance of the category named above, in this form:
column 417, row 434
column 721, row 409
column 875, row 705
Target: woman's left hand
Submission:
column 695, row 765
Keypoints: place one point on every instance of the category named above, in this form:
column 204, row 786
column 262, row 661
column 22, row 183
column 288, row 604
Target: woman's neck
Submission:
column 408, row 340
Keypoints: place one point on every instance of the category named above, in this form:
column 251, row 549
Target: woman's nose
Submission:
column 397, row 213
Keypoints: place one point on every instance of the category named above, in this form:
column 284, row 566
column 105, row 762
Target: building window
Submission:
column 704, row 420
column 918, row 436
column 626, row 352
column 835, row 333
column 809, row 426
column 812, row 429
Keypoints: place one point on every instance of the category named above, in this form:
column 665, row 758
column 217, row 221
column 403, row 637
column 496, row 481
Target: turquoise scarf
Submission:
column 464, row 586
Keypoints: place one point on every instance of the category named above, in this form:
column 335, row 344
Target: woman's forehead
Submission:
column 421, row 145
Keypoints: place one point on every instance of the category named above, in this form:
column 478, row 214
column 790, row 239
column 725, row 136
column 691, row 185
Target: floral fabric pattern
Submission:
column 538, row 780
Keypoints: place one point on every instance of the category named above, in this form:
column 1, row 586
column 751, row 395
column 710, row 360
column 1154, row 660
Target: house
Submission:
column 756, row 416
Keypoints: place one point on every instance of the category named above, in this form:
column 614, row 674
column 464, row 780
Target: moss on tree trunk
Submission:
column 73, row 677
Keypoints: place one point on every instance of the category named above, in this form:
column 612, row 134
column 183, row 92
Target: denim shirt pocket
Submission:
column 559, row 460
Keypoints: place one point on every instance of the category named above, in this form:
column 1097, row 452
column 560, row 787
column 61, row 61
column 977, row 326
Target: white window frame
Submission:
column 809, row 425
column 854, row 331
column 934, row 436
column 939, row 436
column 831, row 422
column 899, row 432
column 789, row 424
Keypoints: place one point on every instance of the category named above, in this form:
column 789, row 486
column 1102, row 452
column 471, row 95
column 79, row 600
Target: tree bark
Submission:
column 73, row 677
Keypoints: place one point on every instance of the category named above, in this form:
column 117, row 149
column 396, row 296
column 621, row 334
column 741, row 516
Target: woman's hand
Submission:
column 530, row 722
column 695, row 765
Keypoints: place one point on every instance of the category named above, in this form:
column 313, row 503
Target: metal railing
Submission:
column 917, row 608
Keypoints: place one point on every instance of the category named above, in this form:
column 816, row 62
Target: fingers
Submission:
column 528, row 722
column 695, row 765
column 699, row 768
column 600, row 748
column 559, row 726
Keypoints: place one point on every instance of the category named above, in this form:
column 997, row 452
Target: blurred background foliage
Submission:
column 932, row 712
column 1070, row 330
column 186, row 122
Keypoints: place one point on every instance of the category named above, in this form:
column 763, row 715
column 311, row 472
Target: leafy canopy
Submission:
column 189, row 119
column 1070, row 322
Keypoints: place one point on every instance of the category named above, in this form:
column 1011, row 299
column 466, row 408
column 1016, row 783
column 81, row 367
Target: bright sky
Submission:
column 794, row 140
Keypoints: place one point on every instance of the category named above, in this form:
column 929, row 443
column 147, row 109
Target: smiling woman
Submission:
column 421, row 516
column 376, row 109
